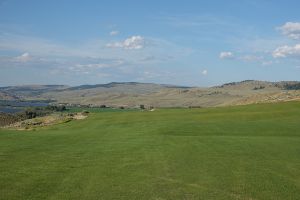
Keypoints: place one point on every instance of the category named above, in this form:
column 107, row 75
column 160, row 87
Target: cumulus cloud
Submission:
column 161, row 50
column 22, row 60
column 25, row 57
column 113, row 33
column 291, row 29
column 204, row 72
column 134, row 42
column 226, row 55
column 286, row 51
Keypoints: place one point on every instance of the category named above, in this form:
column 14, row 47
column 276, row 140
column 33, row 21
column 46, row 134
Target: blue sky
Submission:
column 194, row 43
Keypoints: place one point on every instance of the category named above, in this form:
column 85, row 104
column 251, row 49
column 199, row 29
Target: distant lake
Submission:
column 24, row 103
column 10, row 109
column 30, row 104
column 17, row 106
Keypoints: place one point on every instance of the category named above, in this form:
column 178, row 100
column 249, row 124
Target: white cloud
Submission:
column 291, row 29
column 134, row 42
column 226, row 55
column 204, row 72
column 25, row 57
column 22, row 60
column 83, row 58
column 286, row 51
column 162, row 50
column 113, row 33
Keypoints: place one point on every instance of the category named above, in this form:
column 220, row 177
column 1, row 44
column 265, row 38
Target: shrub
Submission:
column 142, row 107
column 259, row 88
column 58, row 108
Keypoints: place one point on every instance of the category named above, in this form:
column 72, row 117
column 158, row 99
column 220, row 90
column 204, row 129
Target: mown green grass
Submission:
column 243, row 152
column 98, row 110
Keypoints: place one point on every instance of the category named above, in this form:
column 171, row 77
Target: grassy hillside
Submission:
column 242, row 152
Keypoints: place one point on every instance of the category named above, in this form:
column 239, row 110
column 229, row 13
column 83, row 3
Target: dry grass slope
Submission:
column 133, row 94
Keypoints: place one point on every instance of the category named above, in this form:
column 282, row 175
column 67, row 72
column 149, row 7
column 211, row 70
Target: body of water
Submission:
column 10, row 109
column 17, row 106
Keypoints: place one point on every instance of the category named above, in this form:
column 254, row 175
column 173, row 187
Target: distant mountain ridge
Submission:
column 132, row 94
column 280, row 84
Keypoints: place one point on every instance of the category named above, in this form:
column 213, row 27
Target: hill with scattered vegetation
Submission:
column 133, row 94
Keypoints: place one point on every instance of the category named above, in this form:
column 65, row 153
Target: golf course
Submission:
column 247, row 152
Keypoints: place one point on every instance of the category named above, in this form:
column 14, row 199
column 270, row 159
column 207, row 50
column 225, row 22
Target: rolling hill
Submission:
column 133, row 94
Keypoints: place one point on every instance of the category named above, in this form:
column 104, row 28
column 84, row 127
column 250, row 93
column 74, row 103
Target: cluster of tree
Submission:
column 34, row 112
column 6, row 119
column 58, row 108
column 259, row 88
column 292, row 86
column 143, row 107
column 195, row 107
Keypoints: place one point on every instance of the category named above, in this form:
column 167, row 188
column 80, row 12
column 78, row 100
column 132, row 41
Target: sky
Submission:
column 190, row 43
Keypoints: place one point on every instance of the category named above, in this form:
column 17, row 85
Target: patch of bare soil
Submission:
column 49, row 120
column 79, row 116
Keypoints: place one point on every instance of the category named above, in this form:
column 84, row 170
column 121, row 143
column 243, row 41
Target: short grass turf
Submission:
column 244, row 152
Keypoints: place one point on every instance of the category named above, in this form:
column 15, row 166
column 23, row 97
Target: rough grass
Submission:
column 243, row 152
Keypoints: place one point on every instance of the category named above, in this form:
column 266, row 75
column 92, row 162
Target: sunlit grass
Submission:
column 243, row 152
